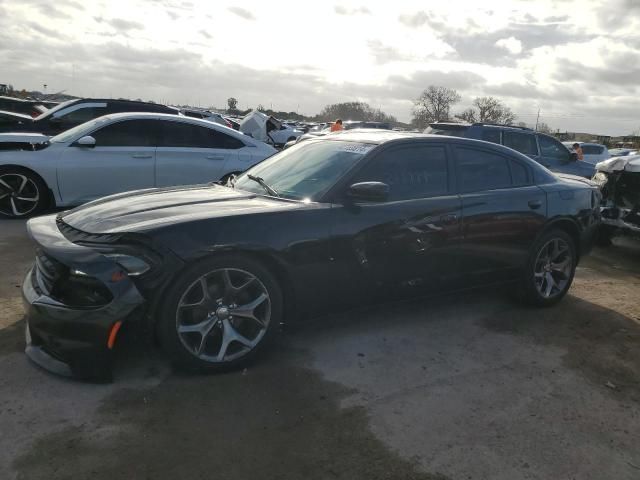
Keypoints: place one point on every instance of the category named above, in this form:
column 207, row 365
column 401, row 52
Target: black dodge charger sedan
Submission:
column 349, row 218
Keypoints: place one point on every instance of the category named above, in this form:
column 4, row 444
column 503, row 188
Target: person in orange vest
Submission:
column 578, row 150
column 337, row 126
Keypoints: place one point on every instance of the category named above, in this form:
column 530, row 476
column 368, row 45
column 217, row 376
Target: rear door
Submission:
column 123, row 159
column 523, row 142
column 190, row 154
column 407, row 243
column 502, row 212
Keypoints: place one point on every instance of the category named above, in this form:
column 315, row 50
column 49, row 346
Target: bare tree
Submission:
column 468, row 115
column 492, row 110
column 433, row 105
column 544, row 128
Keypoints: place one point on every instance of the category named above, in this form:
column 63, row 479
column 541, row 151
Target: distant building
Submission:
column 584, row 137
column 4, row 89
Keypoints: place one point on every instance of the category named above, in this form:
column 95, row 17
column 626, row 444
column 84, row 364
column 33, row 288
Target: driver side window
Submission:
column 410, row 172
column 551, row 148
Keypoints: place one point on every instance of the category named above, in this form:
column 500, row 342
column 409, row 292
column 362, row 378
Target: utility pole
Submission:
column 537, row 118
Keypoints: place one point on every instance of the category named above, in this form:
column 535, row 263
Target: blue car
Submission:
column 544, row 149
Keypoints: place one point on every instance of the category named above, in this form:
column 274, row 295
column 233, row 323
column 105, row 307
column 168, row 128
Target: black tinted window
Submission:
column 592, row 150
column 552, row 148
column 491, row 135
column 481, row 170
column 128, row 133
column 81, row 115
column 522, row 142
column 519, row 173
column 410, row 172
column 177, row 134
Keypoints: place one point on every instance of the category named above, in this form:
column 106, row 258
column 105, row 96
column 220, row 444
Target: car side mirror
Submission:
column 573, row 157
column 87, row 142
column 369, row 191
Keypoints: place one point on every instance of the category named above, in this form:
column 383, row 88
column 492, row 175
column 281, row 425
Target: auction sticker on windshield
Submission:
column 360, row 148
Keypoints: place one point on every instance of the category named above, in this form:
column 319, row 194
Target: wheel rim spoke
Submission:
column 248, row 310
column 230, row 335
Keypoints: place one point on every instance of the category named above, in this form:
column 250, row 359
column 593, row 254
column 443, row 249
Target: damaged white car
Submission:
column 619, row 181
column 268, row 129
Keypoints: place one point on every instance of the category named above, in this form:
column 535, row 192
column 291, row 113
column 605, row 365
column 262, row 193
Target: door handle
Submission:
column 215, row 157
column 535, row 204
column 448, row 219
column 142, row 155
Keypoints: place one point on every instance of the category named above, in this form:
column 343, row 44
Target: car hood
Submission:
column 149, row 209
column 630, row 163
column 20, row 137
column 575, row 179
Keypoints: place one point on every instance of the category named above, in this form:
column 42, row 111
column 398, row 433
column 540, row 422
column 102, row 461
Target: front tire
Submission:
column 220, row 314
column 550, row 269
column 22, row 193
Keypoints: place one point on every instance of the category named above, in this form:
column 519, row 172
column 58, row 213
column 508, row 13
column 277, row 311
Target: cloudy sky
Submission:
column 579, row 62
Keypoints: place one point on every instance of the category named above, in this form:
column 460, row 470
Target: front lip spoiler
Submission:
column 41, row 358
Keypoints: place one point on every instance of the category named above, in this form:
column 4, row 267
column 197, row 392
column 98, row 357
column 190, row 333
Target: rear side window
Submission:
column 186, row 135
column 522, row 142
column 128, row 133
column 411, row 172
column 491, row 135
column 519, row 174
column 81, row 115
column 592, row 150
column 481, row 170
column 552, row 148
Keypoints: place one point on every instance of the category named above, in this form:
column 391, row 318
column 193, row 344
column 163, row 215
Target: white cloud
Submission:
column 572, row 58
column 511, row 44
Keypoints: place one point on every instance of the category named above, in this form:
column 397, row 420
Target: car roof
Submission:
column 121, row 101
column 373, row 135
column 172, row 117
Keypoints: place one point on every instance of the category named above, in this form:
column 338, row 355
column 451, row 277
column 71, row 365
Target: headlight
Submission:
column 133, row 265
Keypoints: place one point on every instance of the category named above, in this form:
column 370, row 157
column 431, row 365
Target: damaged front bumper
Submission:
column 74, row 296
column 623, row 218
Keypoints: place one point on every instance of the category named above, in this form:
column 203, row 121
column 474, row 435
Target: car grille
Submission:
column 48, row 272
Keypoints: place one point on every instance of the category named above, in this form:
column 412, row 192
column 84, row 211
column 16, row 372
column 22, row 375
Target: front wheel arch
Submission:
column 268, row 261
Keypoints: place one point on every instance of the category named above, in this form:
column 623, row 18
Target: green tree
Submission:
column 233, row 104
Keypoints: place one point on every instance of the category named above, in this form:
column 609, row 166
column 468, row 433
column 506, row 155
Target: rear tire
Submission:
column 550, row 269
column 22, row 193
column 220, row 314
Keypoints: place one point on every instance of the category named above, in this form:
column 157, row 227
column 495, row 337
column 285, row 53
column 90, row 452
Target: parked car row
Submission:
column 334, row 221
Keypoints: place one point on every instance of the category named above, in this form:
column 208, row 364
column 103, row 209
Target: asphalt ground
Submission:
column 465, row 386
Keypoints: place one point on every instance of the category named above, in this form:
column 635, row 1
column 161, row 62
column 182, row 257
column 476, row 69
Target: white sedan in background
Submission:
column 117, row 153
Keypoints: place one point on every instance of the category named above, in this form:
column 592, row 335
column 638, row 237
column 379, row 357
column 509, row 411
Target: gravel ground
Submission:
column 460, row 387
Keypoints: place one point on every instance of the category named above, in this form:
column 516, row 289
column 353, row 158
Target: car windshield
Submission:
column 305, row 171
column 78, row 131
column 53, row 110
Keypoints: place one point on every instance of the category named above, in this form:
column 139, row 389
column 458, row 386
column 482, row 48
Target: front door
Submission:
column 406, row 244
column 559, row 159
column 123, row 159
